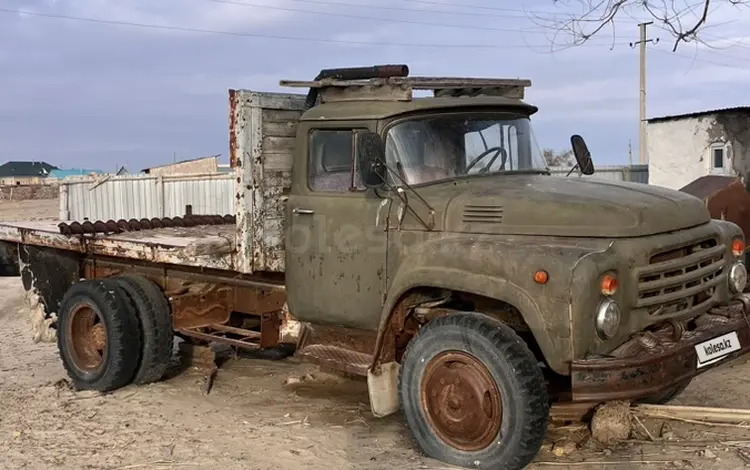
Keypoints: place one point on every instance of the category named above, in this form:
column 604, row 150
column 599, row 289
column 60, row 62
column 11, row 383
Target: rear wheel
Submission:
column 98, row 336
column 473, row 394
column 155, row 321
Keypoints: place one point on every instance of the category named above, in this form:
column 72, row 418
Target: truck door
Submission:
column 335, row 249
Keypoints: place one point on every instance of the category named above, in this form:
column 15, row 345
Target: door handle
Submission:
column 297, row 210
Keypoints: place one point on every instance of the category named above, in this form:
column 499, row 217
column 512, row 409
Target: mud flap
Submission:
column 383, row 390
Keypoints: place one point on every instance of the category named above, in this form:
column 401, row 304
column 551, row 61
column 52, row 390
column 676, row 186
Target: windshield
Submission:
column 435, row 148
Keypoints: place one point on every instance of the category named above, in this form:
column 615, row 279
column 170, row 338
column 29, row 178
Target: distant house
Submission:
column 682, row 148
column 18, row 173
column 196, row 165
column 61, row 174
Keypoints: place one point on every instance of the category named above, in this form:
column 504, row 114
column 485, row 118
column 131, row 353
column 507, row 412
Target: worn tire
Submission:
column 155, row 318
column 667, row 395
column 512, row 367
column 120, row 329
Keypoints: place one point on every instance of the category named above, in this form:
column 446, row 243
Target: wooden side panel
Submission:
column 262, row 142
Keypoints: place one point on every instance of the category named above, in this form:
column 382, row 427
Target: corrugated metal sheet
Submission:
column 632, row 173
column 138, row 196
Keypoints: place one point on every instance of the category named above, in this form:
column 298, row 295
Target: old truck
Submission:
column 420, row 242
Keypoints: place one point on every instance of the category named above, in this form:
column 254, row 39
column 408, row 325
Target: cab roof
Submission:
column 377, row 109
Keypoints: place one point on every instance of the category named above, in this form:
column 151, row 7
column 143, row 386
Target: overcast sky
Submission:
column 76, row 93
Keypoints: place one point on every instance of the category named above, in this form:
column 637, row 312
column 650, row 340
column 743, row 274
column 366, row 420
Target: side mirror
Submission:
column 582, row 154
column 371, row 159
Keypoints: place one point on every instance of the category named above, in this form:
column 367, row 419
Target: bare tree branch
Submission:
column 682, row 19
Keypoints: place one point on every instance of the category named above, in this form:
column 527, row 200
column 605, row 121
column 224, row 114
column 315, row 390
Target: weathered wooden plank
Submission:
column 281, row 115
column 280, row 129
column 278, row 161
column 276, row 145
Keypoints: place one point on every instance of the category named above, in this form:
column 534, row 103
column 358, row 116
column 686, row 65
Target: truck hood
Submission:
column 574, row 207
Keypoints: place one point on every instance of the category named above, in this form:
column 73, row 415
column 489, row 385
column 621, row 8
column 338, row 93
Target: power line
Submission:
column 478, row 7
column 269, row 36
column 373, row 18
column 418, row 10
column 696, row 59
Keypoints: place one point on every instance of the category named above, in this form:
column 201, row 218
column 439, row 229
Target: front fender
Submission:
column 500, row 268
column 555, row 349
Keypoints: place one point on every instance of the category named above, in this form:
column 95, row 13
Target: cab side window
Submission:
column 331, row 159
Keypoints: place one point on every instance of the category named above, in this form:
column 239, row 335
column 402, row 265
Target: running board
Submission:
column 336, row 358
column 340, row 349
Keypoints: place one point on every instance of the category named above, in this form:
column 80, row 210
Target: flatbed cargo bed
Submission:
column 208, row 246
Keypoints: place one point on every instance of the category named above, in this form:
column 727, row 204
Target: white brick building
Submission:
column 682, row 148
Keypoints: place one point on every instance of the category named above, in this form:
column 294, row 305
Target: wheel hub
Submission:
column 461, row 400
column 87, row 337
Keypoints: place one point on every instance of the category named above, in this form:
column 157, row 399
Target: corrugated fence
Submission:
column 138, row 196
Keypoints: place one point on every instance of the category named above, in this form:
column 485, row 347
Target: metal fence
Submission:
column 138, row 196
column 632, row 173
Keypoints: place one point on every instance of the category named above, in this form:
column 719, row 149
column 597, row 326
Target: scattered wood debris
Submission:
column 720, row 417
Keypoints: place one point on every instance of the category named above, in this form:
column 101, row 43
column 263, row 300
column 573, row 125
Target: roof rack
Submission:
column 397, row 88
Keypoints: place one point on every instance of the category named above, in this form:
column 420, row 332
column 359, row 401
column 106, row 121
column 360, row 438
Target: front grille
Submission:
column 681, row 279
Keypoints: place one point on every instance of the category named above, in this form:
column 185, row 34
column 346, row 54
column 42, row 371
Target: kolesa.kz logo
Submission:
column 715, row 348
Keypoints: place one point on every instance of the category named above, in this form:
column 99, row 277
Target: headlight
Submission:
column 737, row 277
column 607, row 318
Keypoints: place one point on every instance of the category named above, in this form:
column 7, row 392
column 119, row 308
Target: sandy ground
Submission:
column 251, row 420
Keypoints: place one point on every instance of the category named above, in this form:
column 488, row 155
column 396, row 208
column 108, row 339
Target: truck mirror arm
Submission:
column 430, row 223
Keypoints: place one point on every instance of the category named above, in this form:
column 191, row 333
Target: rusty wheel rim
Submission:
column 87, row 337
column 461, row 401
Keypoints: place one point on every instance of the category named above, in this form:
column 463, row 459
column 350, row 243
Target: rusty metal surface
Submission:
column 208, row 306
column 733, row 204
column 270, row 325
column 335, row 358
column 725, row 198
column 653, row 361
column 360, row 341
column 206, row 246
column 706, row 186
column 86, row 337
column 196, row 305
column 341, row 349
column 220, row 337
column 461, row 400
column 122, row 225
column 234, row 158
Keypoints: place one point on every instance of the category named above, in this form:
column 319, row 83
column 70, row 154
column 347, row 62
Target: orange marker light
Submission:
column 541, row 277
column 609, row 285
column 738, row 247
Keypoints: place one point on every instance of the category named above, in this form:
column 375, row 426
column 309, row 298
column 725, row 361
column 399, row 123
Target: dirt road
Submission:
column 252, row 420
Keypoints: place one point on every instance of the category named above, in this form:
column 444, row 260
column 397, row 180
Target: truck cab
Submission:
column 429, row 248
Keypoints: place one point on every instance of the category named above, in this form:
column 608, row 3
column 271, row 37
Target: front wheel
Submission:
column 473, row 394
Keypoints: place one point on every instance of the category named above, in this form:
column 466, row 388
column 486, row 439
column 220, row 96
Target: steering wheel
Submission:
column 498, row 151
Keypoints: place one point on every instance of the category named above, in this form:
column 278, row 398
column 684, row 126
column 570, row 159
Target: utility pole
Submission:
column 642, row 133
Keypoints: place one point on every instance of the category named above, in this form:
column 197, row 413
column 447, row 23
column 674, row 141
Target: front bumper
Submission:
column 654, row 361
